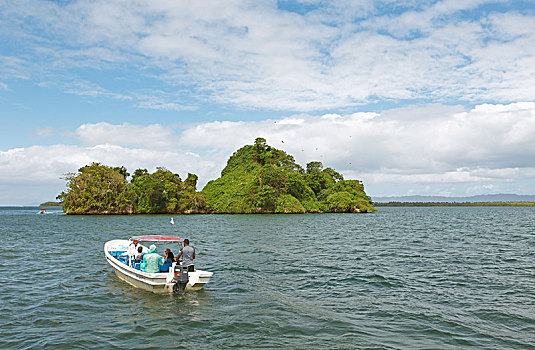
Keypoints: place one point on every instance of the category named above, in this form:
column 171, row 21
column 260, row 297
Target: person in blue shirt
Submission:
column 169, row 257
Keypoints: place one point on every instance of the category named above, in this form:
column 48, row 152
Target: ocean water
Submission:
column 400, row 278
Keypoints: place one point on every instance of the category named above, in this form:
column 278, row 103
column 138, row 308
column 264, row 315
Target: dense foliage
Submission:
column 100, row 189
column 257, row 179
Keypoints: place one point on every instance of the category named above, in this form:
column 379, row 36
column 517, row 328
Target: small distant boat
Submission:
column 176, row 279
column 42, row 211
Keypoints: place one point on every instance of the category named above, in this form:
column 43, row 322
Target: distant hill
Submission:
column 51, row 204
column 262, row 179
column 502, row 197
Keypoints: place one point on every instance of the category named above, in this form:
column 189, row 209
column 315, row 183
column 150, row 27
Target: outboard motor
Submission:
column 181, row 279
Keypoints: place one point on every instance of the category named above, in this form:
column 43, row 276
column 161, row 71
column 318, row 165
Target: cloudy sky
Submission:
column 411, row 97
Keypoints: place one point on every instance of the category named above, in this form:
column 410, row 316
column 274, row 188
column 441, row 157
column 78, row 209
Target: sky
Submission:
column 411, row 97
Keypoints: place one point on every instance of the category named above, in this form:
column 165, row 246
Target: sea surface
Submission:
column 400, row 278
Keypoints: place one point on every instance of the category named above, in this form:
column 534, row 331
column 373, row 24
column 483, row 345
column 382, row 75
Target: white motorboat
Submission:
column 116, row 252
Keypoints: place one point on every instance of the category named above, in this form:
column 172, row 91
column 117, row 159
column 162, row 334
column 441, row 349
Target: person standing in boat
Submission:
column 187, row 254
column 132, row 250
column 152, row 261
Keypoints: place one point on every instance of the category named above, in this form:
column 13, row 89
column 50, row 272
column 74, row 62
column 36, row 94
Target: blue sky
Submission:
column 412, row 97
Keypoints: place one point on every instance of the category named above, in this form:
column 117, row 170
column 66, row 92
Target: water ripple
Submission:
column 400, row 278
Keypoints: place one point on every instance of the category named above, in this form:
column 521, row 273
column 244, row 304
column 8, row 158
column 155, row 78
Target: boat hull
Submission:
column 152, row 282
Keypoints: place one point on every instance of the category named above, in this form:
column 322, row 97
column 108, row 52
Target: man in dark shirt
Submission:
column 187, row 254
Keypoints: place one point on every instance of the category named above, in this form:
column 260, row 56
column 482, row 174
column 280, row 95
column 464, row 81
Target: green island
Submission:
column 454, row 204
column 50, row 204
column 257, row 179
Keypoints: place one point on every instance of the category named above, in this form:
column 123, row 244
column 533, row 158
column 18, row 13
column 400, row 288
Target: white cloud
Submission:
column 12, row 67
column 424, row 149
column 85, row 88
column 475, row 190
column 255, row 55
column 149, row 136
column 43, row 131
column 429, row 144
column 162, row 101
column 32, row 175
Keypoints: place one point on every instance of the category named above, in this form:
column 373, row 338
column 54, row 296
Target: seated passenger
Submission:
column 152, row 261
column 169, row 257
column 139, row 255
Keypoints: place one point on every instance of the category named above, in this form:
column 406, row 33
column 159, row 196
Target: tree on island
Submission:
column 100, row 189
column 257, row 179
column 164, row 192
column 97, row 189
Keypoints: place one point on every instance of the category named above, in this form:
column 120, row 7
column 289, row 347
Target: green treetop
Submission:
column 260, row 178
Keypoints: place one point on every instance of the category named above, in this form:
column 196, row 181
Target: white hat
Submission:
column 152, row 246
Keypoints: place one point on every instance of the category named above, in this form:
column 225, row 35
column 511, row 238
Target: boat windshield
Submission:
column 157, row 238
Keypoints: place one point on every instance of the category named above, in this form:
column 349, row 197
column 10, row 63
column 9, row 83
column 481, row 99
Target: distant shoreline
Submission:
column 454, row 204
column 376, row 204
column 50, row 204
